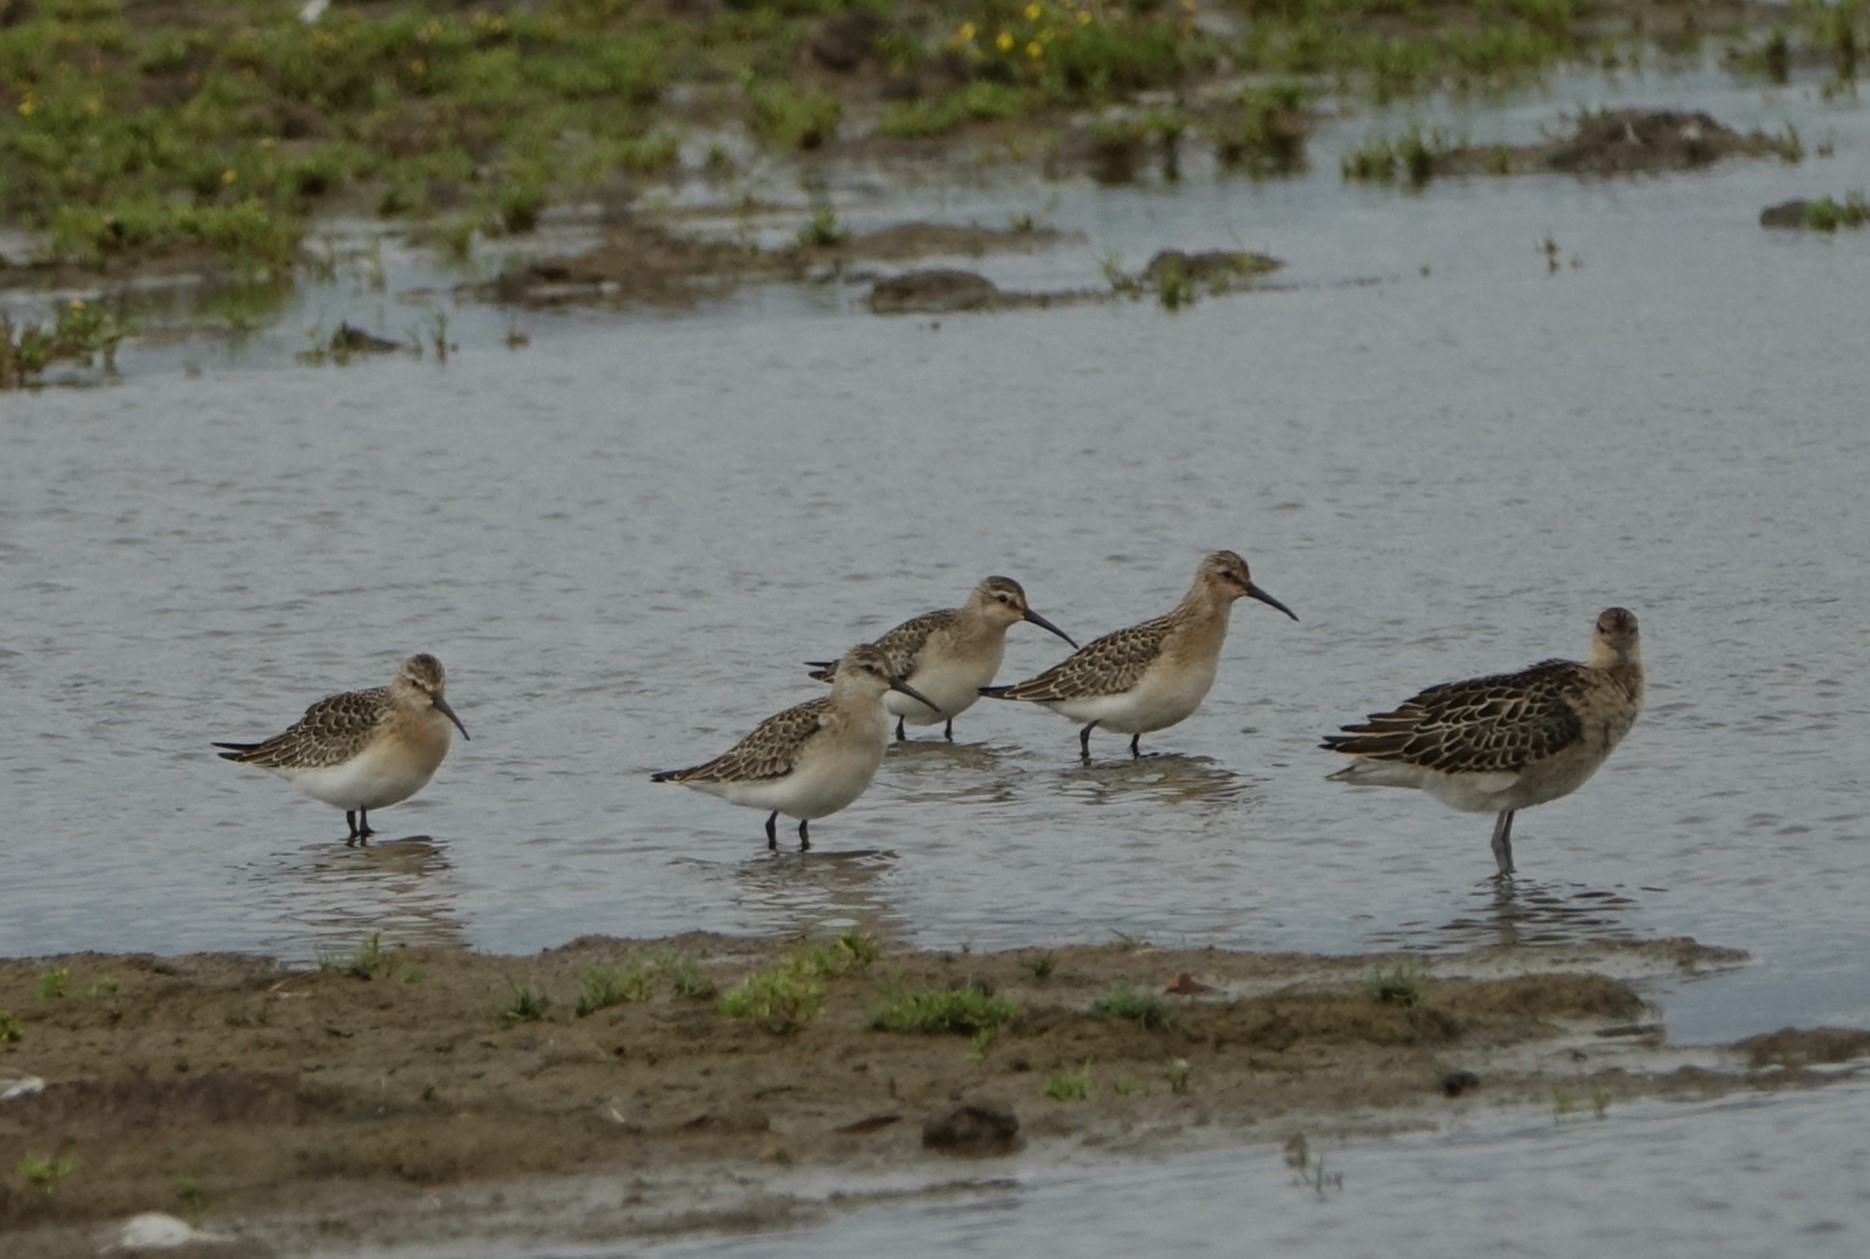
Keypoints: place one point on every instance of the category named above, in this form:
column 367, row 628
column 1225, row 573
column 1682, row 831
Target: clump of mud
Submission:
column 288, row 1106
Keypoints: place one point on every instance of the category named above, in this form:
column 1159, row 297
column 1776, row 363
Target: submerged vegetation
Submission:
column 129, row 132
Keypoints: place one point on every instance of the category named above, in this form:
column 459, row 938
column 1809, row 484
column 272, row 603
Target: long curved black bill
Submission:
column 1044, row 624
column 442, row 706
column 897, row 684
column 1255, row 592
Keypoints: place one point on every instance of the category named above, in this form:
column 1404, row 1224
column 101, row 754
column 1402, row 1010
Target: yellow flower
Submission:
column 418, row 67
column 1034, row 51
column 1003, row 41
column 28, row 106
column 966, row 33
column 1084, row 18
column 77, row 303
column 228, row 176
column 93, row 106
column 1032, row 12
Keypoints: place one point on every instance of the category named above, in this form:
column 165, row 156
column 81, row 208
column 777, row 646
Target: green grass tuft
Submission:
column 603, row 987
column 1145, row 1009
column 969, row 1011
column 1405, row 985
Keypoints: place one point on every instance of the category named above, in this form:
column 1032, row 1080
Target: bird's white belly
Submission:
column 824, row 780
column 376, row 778
column 1160, row 698
column 953, row 684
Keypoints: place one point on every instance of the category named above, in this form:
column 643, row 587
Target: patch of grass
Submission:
column 1175, row 288
column 1785, row 144
column 1569, row 1106
column 1145, row 1009
column 603, row 987
column 1404, row 984
column 1827, row 215
column 1409, row 157
column 526, row 1006
column 105, row 987
column 931, row 1011
column 823, row 230
column 366, row 960
column 980, row 101
column 190, row 1194
column 50, row 986
column 1125, row 284
column 1178, row 1075
column 80, row 332
column 12, row 1031
column 1043, row 965
column 1266, row 130
column 44, row 1171
column 1067, row 1085
column 247, row 231
column 779, row 997
column 685, row 976
column 794, row 120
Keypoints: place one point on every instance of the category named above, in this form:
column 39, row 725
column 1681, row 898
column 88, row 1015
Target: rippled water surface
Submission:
column 1659, row 1180
column 623, row 540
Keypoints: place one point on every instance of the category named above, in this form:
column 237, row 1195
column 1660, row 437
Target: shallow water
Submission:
column 623, row 539
column 1736, row 1177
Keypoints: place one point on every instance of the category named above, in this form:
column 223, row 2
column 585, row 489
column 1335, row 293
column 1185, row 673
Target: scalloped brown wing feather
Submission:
column 1109, row 665
column 1499, row 723
column 769, row 752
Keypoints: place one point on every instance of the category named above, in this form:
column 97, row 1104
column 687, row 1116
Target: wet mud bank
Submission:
column 394, row 1097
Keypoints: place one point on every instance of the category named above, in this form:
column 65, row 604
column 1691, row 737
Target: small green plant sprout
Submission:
column 51, row 983
column 1066, row 1085
column 685, row 976
column 1178, row 1075
column 12, row 1031
column 1175, row 288
column 822, row 229
column 527, row 1006
column 105, row 987
column 1404, row 984
column 190, row 1194
column 1309, row 1169
column 43, row 1171
column 931, row 1011
column 1145, row 1009
column 1032, row 221
column 1043, row 965
column 603, row 987
column 365, row 961
column 981, row 1042
column 1122, row 283
column 1828, row 215
column 779, row 997
column 1550, row 247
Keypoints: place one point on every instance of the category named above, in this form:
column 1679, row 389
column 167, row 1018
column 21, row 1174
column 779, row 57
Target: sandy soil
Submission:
column 291, row 1109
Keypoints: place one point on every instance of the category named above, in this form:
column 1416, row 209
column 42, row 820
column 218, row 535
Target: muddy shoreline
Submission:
column 395, row 1097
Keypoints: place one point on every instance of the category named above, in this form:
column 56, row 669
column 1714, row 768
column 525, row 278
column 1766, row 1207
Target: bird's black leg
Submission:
column 350, row 820
column 1503, row 842
column 1084, row 738
column 948, row 730
column 1134, row 752
column 900, row 736
column 363, row 828
column 772, row 835
column 805, row 840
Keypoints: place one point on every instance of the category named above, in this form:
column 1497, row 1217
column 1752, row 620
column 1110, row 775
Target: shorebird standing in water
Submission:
column 363, row 750
column 1507, row 742
column 810, row 761
column 1149, row 676
column 949, row 655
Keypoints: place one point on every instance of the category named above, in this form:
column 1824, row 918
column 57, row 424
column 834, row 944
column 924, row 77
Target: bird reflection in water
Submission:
column 403, row 888
column 1164, row 777
column 1529, row 912
column 819, row 891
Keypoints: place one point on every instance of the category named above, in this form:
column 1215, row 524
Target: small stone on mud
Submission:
column 973, row 1129
column 933, row 291
column 1186, row 985
column 842, row 42
column 1456, row 1083
column 1209, row 266
column 1785, row 214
